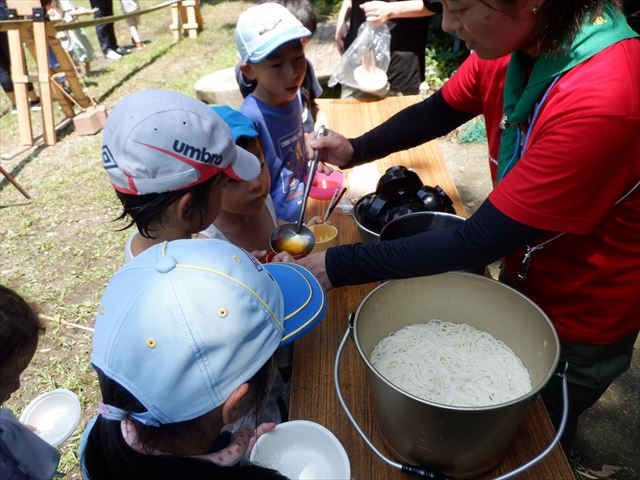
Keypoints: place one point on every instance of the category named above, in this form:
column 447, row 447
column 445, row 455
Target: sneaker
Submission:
column 14, row 110
column 123, row 51
column 35, row 105
column 112, row 55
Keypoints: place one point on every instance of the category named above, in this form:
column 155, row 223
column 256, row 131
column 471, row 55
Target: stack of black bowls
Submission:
column 398, row 192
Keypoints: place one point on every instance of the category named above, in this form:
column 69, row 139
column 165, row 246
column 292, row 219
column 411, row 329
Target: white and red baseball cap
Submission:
column 157, row 141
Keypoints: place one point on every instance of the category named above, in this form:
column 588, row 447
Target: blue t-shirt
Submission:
column 309, row 91
column 282, row 138
column 23, row 454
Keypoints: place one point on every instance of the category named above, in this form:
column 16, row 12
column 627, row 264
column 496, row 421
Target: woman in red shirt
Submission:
column 558, row 82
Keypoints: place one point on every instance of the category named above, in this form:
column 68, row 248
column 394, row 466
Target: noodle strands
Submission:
column 451, row 364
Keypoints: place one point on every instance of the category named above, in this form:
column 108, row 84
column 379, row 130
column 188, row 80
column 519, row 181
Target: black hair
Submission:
column 560, row 20
column 144, row 210
column 303, row 10
column 20, row 325
column 108, row 456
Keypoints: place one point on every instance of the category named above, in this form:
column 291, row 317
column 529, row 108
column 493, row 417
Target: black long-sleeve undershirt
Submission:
column 485, row 237
column 415, row 125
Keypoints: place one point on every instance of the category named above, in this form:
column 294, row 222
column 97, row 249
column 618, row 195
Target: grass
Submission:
column 60, row 248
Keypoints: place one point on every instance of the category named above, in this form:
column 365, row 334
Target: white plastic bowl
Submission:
column 370, row 80
column 55, row 415
column 302, row 450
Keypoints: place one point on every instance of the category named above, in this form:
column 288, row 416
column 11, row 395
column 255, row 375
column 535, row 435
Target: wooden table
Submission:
column 313, row 396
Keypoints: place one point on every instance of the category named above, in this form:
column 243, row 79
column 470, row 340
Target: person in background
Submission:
column 558, row 83
column 5, row 69
column 105, row 31
column 268, row 38
column 74, row 41
column 129, row 6
column 168, row 157
column 23, row 454
column 247, row 218
column 247, row 215
column 183, row 348
column 407, row 21
column 310, row 89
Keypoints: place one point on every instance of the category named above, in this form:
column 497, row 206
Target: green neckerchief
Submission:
column 522, row 92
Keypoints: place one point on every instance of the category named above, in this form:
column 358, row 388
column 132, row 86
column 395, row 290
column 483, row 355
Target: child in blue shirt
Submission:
column 310, row 89
column 268, row 38
column 23, row 454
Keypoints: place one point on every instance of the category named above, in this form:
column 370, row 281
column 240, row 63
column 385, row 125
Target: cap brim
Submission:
column 267, row 48
column 305, row 301
column 245, row 167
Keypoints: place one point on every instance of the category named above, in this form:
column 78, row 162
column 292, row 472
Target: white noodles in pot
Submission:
column 451, row 364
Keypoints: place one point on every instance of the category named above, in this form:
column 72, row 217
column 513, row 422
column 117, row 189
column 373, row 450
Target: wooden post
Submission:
column 176, row 21
column 191, row 26
column 40, row 38
column 20, row 80
column 185, row 16
column 42, row 62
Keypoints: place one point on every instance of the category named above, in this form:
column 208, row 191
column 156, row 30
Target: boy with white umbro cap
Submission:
column 168, row 156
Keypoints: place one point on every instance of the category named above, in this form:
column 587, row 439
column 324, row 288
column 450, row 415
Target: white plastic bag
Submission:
column 364, row 64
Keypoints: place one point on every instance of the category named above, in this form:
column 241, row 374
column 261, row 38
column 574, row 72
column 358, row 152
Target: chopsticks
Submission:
column 337, row 195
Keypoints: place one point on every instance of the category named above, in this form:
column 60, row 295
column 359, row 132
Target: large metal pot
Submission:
column 367, row 235
column 460, row 441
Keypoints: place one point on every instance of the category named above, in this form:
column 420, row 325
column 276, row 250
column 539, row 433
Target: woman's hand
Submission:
column 334, row 149
column 315, row 263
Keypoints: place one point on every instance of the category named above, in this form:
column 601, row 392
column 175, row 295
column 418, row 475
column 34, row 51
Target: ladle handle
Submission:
column 321, row 131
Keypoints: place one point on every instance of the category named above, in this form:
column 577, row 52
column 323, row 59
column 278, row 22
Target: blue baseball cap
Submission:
column 239, row 123
column 186, row 322
column 263, row 28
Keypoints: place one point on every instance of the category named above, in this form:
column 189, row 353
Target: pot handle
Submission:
column 561, row 371
column 419, row 471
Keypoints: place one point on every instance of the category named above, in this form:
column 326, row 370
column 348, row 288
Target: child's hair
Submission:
column 303, row 10
column 149, row 209
column 106, row 443
column 20, row 325
column 158, row 145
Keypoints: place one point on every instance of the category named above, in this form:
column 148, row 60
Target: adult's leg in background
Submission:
column 105, row 31
column 591, row 370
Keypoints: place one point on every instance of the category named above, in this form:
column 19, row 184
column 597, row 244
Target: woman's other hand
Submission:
column 376, row 12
